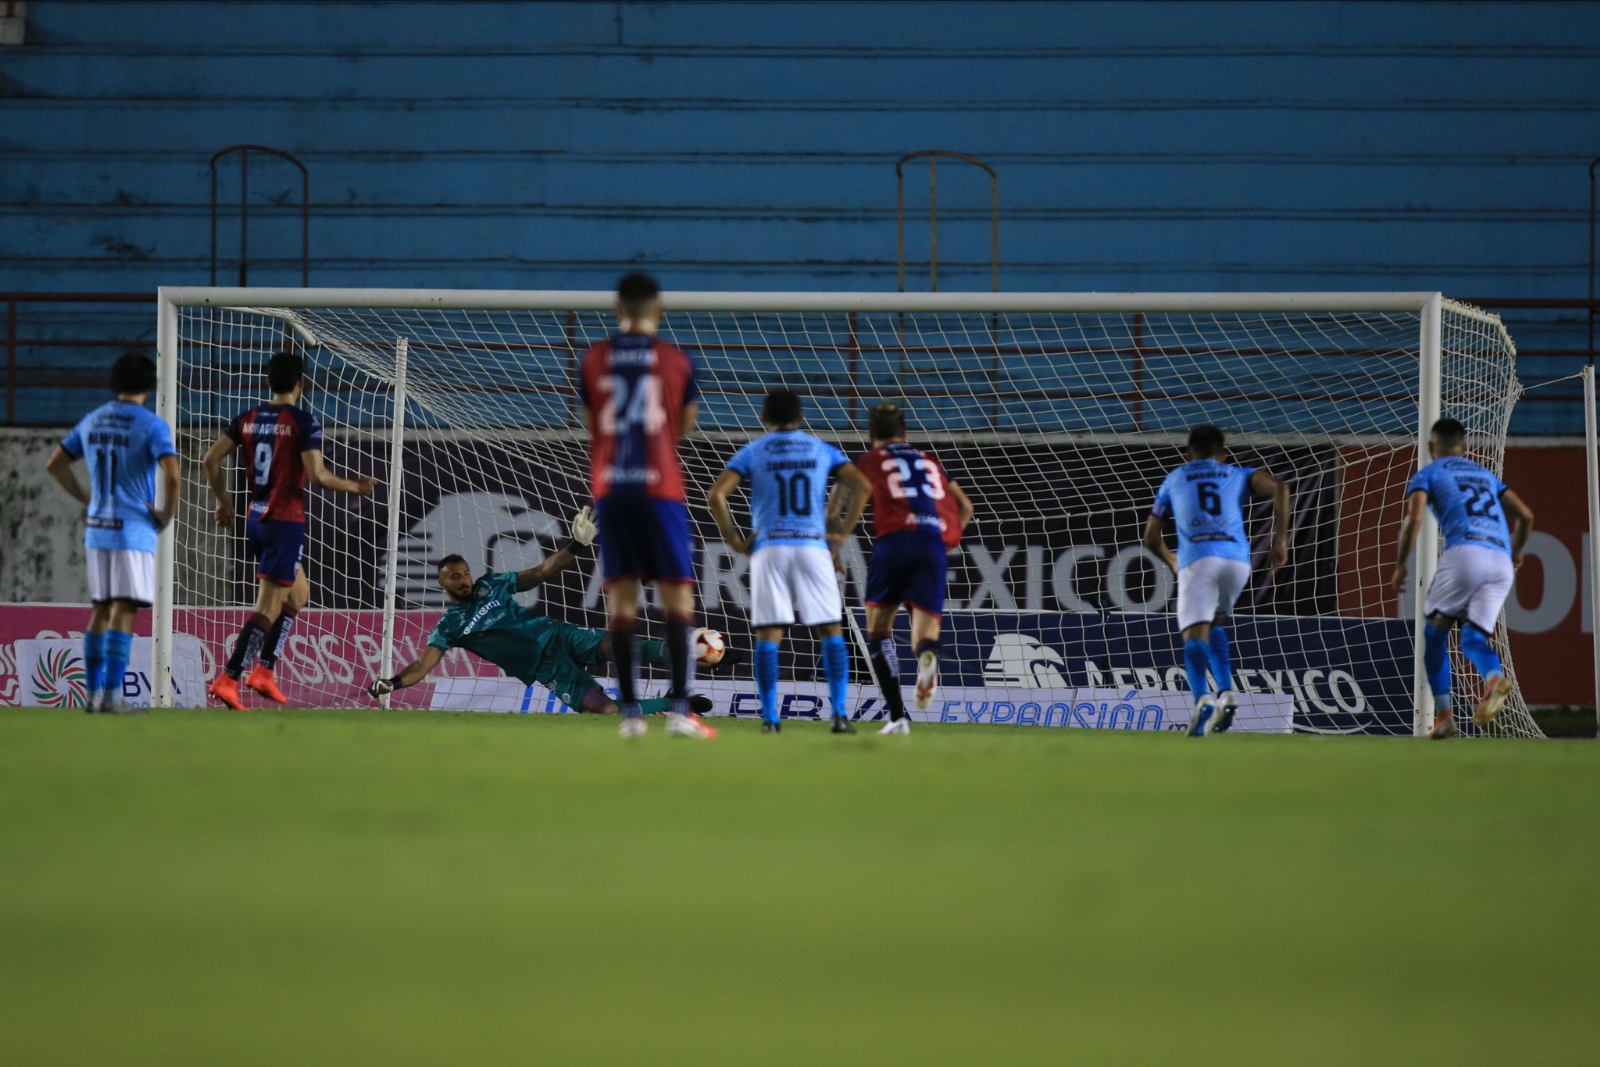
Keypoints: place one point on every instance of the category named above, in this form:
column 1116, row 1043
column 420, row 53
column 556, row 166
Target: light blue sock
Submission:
column 1475, row 646
column 94, row 664
column 1221, row 661
column 767, row 679
column 1196, row 656
column 1436, row 659
column 836, row 668
column 118, row 645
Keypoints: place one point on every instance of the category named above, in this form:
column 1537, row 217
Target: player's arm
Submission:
column 846, row 502
column 963, row 503
column 717, row 501
column 60, row 467
column 220, row 450
column 323, row 478
column 1263, row 483
column 171, row 486
column 413, row 673
column 691, row 418
column 583, row 535
column 1522, row 523
column 1157, row 543
column 1416, row 503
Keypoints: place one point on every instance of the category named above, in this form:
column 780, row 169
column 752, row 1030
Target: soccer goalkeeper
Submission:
column 486, row 619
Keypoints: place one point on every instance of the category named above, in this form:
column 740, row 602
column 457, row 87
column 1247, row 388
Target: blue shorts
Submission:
column 276, row 546
column 645, row 538
column 907, row 568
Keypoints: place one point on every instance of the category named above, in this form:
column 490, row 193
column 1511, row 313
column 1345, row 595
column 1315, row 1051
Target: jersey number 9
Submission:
column 263, row 462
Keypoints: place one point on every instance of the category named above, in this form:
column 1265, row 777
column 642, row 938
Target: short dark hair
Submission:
column 1206, row 440
column 781, row 407
column 886, row 421
column 284, row 371
column 1449, row 432
column 133, row 372
column 449, row 560
column 637, row 288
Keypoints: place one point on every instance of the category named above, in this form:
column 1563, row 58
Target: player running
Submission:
column 123, row 442
column 484, row 618
column 792, row 566
column 1476, row 568
column 282, row 448
column 918, row 516
column 1205, row 498
column 639, row 399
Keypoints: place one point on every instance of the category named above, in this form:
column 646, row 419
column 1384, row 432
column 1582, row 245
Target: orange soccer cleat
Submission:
column 226, row 689
column 263, row 681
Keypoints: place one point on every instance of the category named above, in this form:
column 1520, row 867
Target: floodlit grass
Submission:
column 406, row 888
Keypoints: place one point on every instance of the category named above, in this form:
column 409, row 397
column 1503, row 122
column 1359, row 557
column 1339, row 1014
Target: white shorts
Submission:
column 793, row 584
column 1207, row 589
column 1472, row 583
column 122, row 574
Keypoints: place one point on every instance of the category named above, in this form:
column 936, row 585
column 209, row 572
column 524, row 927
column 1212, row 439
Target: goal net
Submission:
column 1058, row 413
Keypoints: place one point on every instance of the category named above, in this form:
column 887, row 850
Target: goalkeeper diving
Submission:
column 484, row 618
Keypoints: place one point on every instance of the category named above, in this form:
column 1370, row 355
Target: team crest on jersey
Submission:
column 58, row 681
column 1024, row 661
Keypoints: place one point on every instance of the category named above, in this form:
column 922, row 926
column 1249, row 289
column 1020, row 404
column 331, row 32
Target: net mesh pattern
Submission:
column 1060, row 426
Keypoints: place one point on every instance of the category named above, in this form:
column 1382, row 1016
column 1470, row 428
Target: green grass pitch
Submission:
column 406, row 888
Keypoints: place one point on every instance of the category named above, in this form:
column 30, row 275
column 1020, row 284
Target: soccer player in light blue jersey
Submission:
column 793, row 554
column 122, row 443
column 1476, row 569
column 1205, row 499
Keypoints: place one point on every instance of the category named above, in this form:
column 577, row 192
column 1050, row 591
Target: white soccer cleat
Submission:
column 688, row 726
column 897, row 726
column 1495, row 692
column 632, row 726
column 1444, row 726
column 1205, row 711
column 1227, row 708
column 927, row 678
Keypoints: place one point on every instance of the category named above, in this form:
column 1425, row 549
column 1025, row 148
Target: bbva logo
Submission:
column 1023, row 660
column 491, row 531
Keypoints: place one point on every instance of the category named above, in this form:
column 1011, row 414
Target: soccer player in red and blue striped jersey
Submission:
column 639, row 399
column 282, row 445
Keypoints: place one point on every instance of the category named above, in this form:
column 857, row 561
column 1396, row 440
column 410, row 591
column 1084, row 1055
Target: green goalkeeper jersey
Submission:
column 493, row 625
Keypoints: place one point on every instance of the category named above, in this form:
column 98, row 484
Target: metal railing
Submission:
column 244, row 151
column 933, row 155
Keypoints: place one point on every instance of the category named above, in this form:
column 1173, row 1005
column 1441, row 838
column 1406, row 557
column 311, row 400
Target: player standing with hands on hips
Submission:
column 639, row 400
column 123, row 443
column 792, row 567
column 1476, row 569
column 1205, row 498
column 282, row 444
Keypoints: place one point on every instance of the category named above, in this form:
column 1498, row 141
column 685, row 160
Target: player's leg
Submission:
column 925, row 594
column 1198, row 602
column 771, row 613
column 882, row 598
column 1232, row 578
column 667, row 545
column 1493, row 577
column 277, row 547
column 620, row 568
column 1445, row 605
column 818, row 604
column 119, row 649
column 94, row 635
column 264, row 679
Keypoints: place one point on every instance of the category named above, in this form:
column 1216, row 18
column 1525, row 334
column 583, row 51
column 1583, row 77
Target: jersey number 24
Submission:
column 622, row 412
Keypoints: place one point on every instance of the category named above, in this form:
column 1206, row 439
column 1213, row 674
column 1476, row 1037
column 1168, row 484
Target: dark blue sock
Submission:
column 1436, row 659
column 1221, row 660
column 94, row 664
column 1475, row 646
column 1196, row 657
column 767, row 679
column 118, row 646
column 836, row 668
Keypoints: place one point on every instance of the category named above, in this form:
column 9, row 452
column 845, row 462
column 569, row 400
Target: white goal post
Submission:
column 1059, row 411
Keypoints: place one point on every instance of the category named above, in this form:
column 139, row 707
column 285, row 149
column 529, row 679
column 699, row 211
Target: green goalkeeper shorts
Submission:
column 568, row 654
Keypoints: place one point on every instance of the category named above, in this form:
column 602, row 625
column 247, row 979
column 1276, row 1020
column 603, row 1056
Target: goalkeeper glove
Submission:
column 381, row 687
column 584, row 529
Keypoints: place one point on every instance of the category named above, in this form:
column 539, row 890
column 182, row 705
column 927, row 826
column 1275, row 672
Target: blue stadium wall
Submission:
column 746, row 145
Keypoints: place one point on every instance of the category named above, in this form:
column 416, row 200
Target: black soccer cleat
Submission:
column 771, row 727
column 842, row 725
column 731, row 657
column 700, row 705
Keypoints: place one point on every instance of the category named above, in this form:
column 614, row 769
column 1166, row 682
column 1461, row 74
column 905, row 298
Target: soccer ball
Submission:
column 709, row 647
